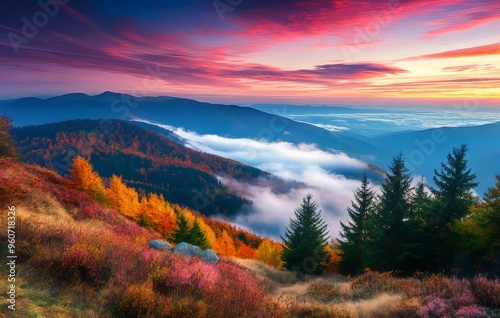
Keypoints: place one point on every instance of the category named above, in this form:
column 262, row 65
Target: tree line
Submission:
column 405, row 229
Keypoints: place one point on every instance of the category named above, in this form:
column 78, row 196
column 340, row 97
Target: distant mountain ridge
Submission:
column 203, row 118
column 244, row 122
column 426, row 149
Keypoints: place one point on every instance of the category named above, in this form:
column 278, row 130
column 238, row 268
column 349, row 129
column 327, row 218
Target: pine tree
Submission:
column 454, row 184
column 181, row 234
column 421, row 204
column 453, row 198
column 305, row 240
column 393, row 241
column 354, row 234
column 196, row 236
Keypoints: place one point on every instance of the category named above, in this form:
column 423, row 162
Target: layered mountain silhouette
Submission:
column 203, row 118
column 244, row 122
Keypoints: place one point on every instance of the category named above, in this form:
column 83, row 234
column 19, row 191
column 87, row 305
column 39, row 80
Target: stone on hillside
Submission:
column 209, row 256
column 160, row 245
column 187, row 249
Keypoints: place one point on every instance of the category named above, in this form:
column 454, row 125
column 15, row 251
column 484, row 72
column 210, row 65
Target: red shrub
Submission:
column 471, row 312
column 487, row 291
column 435, row 307
column 84, row 260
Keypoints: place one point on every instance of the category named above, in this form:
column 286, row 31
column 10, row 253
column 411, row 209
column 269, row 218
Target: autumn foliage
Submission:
column 122, row 198
column 153, row 211
column 88, row 180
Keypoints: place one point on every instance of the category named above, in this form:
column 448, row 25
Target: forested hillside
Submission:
column 146, row 160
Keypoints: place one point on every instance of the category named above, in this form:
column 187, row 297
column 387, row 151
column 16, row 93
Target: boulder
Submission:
column 160, row 245
column 188, row 250
column 209, row 256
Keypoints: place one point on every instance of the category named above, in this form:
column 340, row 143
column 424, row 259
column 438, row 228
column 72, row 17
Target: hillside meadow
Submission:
column 78, row 258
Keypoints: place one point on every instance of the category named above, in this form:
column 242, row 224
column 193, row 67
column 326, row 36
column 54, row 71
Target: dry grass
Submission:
column 263, row 271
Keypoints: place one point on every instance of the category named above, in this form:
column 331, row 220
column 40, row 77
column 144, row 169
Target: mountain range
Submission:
column 230, row 121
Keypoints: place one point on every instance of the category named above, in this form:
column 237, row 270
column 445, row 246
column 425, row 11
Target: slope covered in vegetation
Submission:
column 78, row 258
column 146, row 160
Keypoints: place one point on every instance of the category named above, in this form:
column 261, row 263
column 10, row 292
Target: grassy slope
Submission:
column 81, row 260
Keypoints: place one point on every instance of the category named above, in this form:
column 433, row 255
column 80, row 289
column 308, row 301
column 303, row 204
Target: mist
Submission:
column 315, row 168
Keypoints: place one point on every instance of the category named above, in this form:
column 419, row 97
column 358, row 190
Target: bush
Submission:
column 471, row 312
column 446, row 287
column 324, row 291
column 139, row 301
column 185, row 276
column 435, row 307
column 372, row 283
column 84, row 260
column 315, row 311
column 487, row 291
column 464, row 299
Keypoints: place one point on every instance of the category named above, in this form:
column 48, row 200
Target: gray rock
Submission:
column 209, row 256
column 160, row 245
column 187, row 249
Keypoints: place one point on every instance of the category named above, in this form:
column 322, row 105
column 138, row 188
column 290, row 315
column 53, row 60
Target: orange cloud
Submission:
column 489, row 49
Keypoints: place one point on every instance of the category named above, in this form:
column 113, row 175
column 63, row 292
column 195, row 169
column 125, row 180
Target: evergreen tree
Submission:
column 197, row 237
column 181, row 234
column 454, row 184
column 305, row 240
column 422, row 212
column 394, row 243
column 354, row 234
column 421, row 204
column 453, row 198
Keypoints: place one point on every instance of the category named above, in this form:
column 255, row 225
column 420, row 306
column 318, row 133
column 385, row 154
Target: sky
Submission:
column 394, row 52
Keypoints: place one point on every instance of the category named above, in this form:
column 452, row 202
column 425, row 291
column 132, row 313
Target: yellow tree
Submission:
column 207, row 230
column 269, row 253
column 123, row 199
column 157, row 213
column 7, row 149
column 88, row 180
column 225, row 245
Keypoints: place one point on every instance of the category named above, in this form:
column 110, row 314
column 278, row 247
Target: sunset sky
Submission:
column 415, row 52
